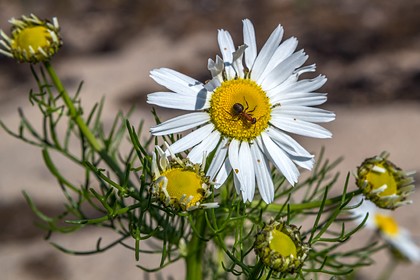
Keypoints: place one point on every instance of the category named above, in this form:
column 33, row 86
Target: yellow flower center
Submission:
column 282, row 243
column 240, row 109
column 380, row 176
column 386, row 224
column 183, row 184
column 34, row 37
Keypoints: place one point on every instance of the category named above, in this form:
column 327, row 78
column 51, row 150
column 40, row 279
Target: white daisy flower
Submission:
column 379, row 220
column 245, row 112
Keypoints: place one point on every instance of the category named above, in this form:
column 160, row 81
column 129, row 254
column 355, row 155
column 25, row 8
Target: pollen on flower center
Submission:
column 386, row 224
column 184, row 185
column 32, row 38
column 280, row 246
column 282, row 243
column 240, row 109
column 384, row 183
column 379, row 176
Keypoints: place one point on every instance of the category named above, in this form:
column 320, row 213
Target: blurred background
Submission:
column 369, row 50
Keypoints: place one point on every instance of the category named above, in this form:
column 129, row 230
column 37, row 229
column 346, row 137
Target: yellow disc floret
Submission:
column 240, row 109
column 282, row 243
column 280, row 247
column 380, row 177
column 184, row 185
column 32, row 40
column 383, row 183
column 386, row 224
column 179, row 184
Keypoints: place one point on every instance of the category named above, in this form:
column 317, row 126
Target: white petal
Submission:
column 215, row 68
column 287, row 143
column 179, row 101
column 360, row 212
column 305, row 69
column 237, row 185
column 250, row 41
column 218, row 159
column 237, row 61
column 280, row 159
column 233, row 155
column 211, row 85
column 304, row 113
column 300, row 127
column 154, row 168
column 306, row 85
column 227, row 49
column 176, row 81
column 223, row 174
column 307, row 164
column 282, row 52
column 282, row 71
column 163, row 159
column 180, row 123
column 204, row 148
column 226, row 45
column 296, row 152
column 299, row 99
column 246, row 172
column 192, row 139
column 262, row 174
column 405, row 245
column 266, row 53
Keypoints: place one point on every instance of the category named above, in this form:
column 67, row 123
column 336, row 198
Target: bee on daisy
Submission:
column 243, row 116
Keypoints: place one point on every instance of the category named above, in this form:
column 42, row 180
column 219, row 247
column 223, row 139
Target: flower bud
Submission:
column 384, row 183
column 280, row 247
column 178, row 183
column 32, row 39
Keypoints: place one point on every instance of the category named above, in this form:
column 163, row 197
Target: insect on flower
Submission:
column 237, row 114
column 243, row 113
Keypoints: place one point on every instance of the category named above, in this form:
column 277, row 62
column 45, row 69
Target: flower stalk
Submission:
column 74, row 114
column 275, row 208
column 196, row 248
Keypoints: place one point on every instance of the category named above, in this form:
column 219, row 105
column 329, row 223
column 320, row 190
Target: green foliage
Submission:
column 113, row 193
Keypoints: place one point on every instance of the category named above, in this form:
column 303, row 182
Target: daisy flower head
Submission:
column 280, row 247
column 384, row 183
column 32, row 39
column 400, row 243
column 244, row 114
column 179, row 183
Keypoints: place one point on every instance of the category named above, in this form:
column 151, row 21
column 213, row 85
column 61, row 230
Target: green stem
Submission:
column 307, row 205
column 74, row 114
column 193, row 261
column 77, row 117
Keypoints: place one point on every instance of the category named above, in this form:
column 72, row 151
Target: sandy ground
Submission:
column 360, row 131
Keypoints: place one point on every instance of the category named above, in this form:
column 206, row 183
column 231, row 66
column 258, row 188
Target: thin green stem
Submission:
column 107, row 217
column 194, row 261
column 308, row 205
column 74, row 114
column 78, row 119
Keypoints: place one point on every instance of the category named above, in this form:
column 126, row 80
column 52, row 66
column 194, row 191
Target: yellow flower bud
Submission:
column 32, row 39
